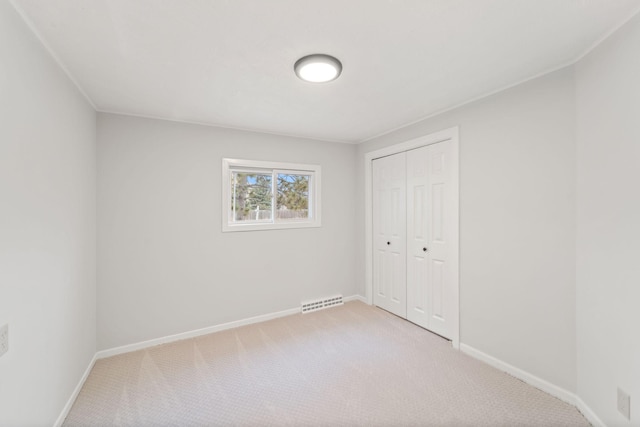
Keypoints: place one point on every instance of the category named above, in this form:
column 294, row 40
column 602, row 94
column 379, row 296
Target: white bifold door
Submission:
column 390, row 233
column 412, row 230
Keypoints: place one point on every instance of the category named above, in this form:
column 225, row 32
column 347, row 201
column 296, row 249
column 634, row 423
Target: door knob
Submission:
column 388, row 243
column 424, row 249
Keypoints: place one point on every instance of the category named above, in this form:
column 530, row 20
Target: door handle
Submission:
column 388, row 243
column 424, row 249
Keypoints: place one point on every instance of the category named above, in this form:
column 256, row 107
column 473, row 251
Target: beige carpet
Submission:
column 349, row 365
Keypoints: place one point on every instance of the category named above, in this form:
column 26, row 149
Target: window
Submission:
column 266, row 195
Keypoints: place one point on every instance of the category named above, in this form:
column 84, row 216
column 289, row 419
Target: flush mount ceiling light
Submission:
column 318, row 68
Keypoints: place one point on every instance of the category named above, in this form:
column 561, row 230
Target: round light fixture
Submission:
column 318, row 68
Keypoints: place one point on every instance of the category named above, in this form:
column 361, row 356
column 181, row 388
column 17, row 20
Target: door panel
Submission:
column 379, row 264
column 389, row 229
column 417, row 235
column 439, row 256
column 427, row 189
column 437, row 290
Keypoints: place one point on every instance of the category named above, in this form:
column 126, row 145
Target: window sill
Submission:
column 270, row 226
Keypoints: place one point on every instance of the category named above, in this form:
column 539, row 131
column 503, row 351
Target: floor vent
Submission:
column 319, row 304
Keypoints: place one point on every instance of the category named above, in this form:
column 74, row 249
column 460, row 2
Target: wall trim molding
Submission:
column 221, row 126
column 537, row 382
column 566, row 64
column 588, row 413
column 74, row 394
column 356, row 298
column 52, row 54
column 525, row 376
column 204, row 331
column 128, row 348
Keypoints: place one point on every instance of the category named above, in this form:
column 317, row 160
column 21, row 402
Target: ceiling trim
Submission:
column 51, row 52
column 607, row 34
column 215, row 125
column 592, row 47
column 469, row 101
column 59, row 62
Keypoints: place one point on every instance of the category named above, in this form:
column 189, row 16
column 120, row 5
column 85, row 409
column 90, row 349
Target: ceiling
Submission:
column 230, row 62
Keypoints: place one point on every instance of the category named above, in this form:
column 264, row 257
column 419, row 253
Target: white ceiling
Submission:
column 230, row 63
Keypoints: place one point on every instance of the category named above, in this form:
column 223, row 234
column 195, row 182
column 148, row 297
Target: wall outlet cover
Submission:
column 624, row 404
column 4, row 339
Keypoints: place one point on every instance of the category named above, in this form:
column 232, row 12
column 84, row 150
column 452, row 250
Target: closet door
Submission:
column 430, row 274
column 417, row 236
column 390, row 234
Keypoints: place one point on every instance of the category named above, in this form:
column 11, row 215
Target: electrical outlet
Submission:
column 4, row 339
column 624, row 404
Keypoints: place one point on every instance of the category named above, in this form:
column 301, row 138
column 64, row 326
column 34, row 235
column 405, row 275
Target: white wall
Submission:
column 165, row 267
column 608, row 233
column 47, row 229
column 517, row 223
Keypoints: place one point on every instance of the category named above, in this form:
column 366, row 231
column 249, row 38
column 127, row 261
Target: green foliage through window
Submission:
column 293, row 196
column 252, row 196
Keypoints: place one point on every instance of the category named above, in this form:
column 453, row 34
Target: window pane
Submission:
column 293, row 197
column 251, row 197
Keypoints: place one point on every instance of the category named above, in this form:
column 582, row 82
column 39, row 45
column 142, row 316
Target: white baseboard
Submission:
column 355, row 298
column 588, row 413
column 203, row 331
column 74, row 395
column 195, row 333
column 530, row 379
column 539, row 383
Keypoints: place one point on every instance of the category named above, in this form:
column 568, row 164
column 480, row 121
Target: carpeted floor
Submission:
column 348, row 365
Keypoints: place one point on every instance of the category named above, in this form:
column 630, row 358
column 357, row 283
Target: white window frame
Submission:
column 314, row 171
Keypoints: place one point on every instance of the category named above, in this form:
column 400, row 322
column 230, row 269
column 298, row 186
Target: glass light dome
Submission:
column 318, row 68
